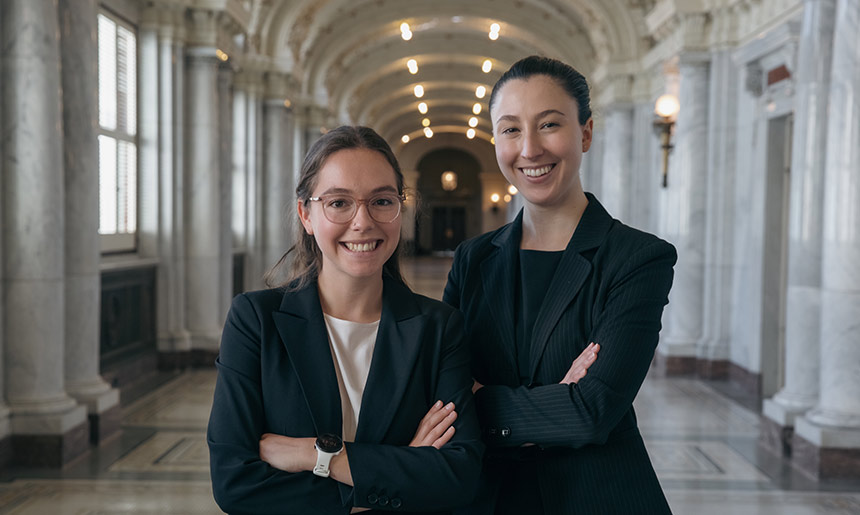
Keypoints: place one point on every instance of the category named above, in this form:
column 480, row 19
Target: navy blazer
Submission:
column 276, row 375
column 610, row 287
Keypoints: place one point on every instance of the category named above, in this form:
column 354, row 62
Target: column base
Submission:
column 825, row 452
column 775, row 437
column 712, row 369
column 52, row 451
column 674, row 366
column 105, row 424
column 198, row 358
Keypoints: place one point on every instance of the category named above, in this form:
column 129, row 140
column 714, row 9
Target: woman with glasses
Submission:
column 341, row 390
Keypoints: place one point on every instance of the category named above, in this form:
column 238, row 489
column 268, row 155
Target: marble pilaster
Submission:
column 617, row 168
column 204, row 249
column 172, row 334
column 712, row 348
column 683, row 216
column 809, row 145
column 225, row 162
column 834, row 423
column 279, row 190
column 644, row 172
column 5, row 429
column 33, row 203
column 256, row 264
column 180, row 336
column 82, row 257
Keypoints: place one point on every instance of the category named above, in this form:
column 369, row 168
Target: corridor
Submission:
column 703, row 446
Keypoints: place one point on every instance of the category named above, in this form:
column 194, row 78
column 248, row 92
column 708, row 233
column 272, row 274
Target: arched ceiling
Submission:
column 350, row 58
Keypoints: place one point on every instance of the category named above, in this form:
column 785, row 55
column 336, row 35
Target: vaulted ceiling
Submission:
column 348, row 56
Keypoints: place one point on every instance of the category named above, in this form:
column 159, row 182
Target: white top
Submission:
column 352, row 346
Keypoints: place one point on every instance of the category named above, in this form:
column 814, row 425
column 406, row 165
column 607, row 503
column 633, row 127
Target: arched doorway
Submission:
column 447, row 216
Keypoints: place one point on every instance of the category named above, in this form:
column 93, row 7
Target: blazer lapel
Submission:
column 301, row 326
column 397, row 344
column 499, row 276
column 572, row 271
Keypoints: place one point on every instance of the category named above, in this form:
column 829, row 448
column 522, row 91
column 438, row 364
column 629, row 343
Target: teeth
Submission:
column 537, row 172
column 361, row 247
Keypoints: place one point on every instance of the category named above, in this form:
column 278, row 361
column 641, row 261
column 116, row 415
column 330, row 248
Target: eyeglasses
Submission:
column 341, row 209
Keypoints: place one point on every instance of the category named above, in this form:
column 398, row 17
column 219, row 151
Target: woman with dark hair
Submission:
column 337, row 390
column 559, row 283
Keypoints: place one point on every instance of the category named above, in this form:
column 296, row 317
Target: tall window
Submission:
column 117, row 133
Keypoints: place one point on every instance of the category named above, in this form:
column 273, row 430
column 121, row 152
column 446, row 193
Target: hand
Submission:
column 436, row 428
column 287, row 453
column 580, row 365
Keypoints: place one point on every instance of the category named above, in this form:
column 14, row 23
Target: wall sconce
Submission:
column 449, row 181
column 494, row 198
column 666, row 109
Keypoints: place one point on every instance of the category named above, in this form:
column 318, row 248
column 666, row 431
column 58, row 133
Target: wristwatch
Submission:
column 328, row 446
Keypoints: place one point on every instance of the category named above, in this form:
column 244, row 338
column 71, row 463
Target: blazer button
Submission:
column 372, row 498
column 506, row 432
column 383, row 500
column 396, row 502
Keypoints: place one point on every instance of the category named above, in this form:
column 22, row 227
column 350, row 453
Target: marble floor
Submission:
column 702, row 444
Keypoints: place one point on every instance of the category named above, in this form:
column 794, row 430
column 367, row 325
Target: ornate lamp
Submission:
column 666, row 109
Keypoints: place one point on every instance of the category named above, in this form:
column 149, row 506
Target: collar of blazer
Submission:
column 499, row 272
column 301, row 325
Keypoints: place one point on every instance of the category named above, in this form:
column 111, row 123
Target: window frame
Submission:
column 121, row 242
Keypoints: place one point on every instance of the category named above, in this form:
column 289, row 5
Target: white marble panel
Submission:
column 683, row 213
column 616, row 169
column 840, row 357
column 721, row 209
column 279, row 189
column 645, row 174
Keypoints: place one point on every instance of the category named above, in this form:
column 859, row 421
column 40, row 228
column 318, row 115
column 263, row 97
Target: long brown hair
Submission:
column 307, row 257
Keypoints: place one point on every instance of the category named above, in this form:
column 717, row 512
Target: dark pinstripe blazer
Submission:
column 276, row 374
column 610, row 287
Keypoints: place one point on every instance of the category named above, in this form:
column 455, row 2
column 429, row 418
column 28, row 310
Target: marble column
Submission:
column 5, row 429
column 806, row 209
column 712, row 348
column 79, row 54
column 174, row 341
column 683, row 218
column 225, row 161
column 407, row 232
column 254, row 198
column 180, row 337
column 279, row 201
column 645, row 176
column 827, row 439
column 617, row 168
column 205, row 276
column 592, row 161
column 48, row 427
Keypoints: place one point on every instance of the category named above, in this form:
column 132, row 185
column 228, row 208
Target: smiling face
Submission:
column 539, row 141
column 359, row 248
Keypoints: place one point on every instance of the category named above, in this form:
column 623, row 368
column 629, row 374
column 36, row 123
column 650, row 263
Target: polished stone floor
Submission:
column 703, row 446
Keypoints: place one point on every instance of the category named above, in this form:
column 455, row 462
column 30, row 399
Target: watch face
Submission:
column 328, row 442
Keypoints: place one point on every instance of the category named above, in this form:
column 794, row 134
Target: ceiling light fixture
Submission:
column 405, row 138
column 487, row 66
column 428, row 132
column 480, row 91
column 422, row 107
column 470, row 133
column 473, row 121
column 419, row 90
column 476, row 108
column 412, row 64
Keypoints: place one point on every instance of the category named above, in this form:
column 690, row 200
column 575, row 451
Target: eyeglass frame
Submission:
column 358, row 203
